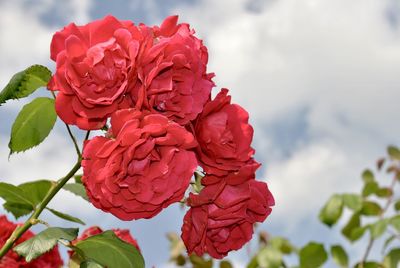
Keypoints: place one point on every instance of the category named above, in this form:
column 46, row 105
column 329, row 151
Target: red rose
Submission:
column 221, row 217
column 143, row 168
column 172, row 73
column 95, row 63
column 51, row 259
column 123, row 234
column 224, row 136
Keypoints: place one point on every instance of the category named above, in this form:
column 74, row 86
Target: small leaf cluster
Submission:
column 37, row 118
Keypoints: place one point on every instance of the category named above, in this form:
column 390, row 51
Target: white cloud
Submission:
column 307, row 178
column 337, row 59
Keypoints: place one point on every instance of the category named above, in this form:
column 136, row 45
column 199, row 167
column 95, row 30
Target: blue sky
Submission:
column 320, row 80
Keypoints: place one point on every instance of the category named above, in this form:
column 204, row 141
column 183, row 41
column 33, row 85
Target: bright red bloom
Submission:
column 173, row 77
column 51, row 259
column 221, row 217
column 123, row 234
column 224, row 136
column 95, row 65
column 144, row 167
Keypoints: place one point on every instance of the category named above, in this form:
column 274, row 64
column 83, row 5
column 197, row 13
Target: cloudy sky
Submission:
column 320, row 80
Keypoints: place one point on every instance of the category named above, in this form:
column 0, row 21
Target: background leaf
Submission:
column 370, row 188
column 14, row 194
column 332, row 210
column 392, row 259
column 351, row 227
column 18, row 210
column 378, row 228
column 225, row 264
column 65, row 216
column 395, row 222
column 269, row 257
column 339, row 255
column 312, row 255
column 44, row 241
column 282, row 244
column 77, row 189
column 367, row 176
column 108, row 250
column 24, row 83
column 394, row 152
column 33, row 124
column 36, row 190
column 352, row 201
column 371, row 209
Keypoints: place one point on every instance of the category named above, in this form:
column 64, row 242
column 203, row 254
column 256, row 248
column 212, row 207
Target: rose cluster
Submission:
column 149, row 89
column 51, row 259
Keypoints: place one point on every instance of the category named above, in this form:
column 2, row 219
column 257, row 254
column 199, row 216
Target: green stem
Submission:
column 70, row 133
column 33, row 219
column 381, row 216
column 78, row 151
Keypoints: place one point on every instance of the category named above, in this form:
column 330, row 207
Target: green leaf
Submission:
column 394, row 152
column 352, row 226
column 28, row 196
column 199, row 262
column 371, row 209
column 269, row 257
column 370, row 188
column 352, row 201
column 397, row 205
column 357, row 233
column 340, row 256
column 108, row 250
column 180, row 260
column 225, row 264
column 24, row 83
column 369, row 264
column 312, row 255
column 378, row 228
column 387, row 242
column 18, row 210
column 384, row 192
column 90, row 264
column 282, row 244
column 74, row 261
column 44, row 241
column 395, row 222
column 392, row 259
column 65, row 216
column 33, row 124
column 367, row 176
column 36, row 190
column 78, row 178
column 332, row 210
column 253, row 263
column 77, row 189
column 13, row 194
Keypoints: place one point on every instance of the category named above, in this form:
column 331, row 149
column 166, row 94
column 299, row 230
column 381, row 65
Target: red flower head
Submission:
column 172, row 74
column 224, row 136
column 51, row 259
column 95, row 65
column 143, row 168
column 222, row 216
